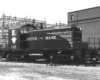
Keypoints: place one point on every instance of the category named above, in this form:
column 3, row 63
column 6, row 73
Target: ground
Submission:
column 34, row 71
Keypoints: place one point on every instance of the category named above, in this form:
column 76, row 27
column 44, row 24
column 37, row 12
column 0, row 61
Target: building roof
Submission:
column 84, row 9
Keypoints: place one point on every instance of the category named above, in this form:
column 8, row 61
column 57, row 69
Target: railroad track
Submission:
column 54, row 64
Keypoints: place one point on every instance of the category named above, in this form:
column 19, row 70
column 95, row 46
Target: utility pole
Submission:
column 4, row 44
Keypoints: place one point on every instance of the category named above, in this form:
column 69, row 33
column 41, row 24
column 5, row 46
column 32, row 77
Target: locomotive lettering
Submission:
column 13, row 46
column 50, row 37
column 31, row 39
column 41, row 38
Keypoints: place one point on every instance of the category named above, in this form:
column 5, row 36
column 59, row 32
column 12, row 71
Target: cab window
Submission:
column 25, row 30
column 14, row 32
column 21, row 31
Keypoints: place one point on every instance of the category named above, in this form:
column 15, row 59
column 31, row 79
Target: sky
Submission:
column 50, row 10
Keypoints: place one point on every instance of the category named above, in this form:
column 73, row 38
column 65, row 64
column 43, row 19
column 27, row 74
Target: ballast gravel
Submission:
column 34, row 71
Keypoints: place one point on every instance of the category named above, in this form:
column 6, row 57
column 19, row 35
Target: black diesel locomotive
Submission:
column 61, row 44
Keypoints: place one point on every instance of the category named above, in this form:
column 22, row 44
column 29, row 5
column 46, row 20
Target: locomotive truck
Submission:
column 61, row 44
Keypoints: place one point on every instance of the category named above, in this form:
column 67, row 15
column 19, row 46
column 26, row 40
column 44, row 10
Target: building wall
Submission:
column 89, row 21
column 84, row 14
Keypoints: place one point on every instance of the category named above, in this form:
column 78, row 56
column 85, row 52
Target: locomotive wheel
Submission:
column 72, row 57
column 8, row 56
column 22, row 56
column 16, row 59
column 51, row 56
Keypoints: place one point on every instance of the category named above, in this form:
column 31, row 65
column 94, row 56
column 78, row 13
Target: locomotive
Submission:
column 60, row 44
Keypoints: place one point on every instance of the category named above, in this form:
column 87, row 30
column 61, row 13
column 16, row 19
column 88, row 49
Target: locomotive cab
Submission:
column 17, row 42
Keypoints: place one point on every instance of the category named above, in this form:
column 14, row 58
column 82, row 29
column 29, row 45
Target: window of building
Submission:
column 72, row 17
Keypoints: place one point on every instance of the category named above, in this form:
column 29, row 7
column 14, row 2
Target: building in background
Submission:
column 89, row 21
